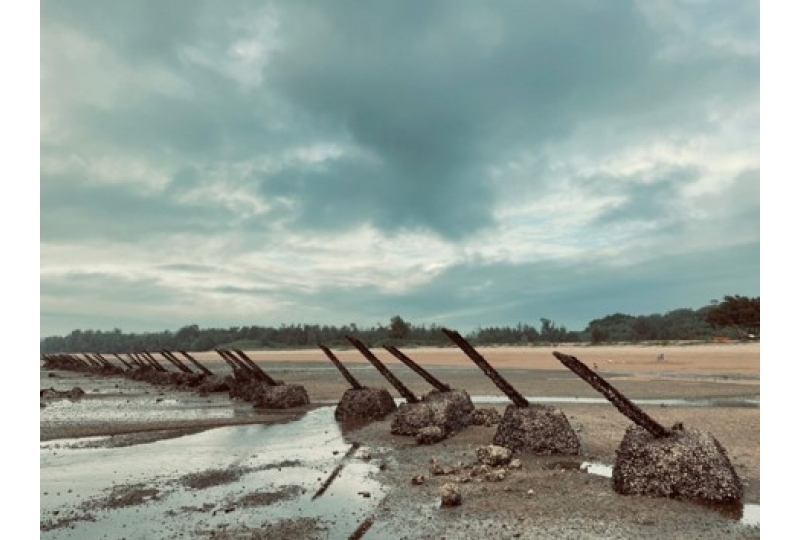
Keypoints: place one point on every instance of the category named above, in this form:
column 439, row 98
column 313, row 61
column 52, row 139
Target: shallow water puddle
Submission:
column 668, row 402
column 747, row 514
column 231, row 477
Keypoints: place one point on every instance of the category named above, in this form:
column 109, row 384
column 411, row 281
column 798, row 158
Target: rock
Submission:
column 493, row 455
column 284, row 396
column 515, row 464
column 452, row 410
column 480, row 470
column 449, row 411
column 451, row 496
column 496, row 476
column 365, row 403
column 485, row 417
column 213, row 383
column 436, row 469
column 410, row 418
column 688, row 464
column 418, row 479
column 536, row 429
column 430, row 435
column 76, row 393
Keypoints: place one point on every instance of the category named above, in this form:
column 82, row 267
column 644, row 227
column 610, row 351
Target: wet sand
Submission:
column 565, row 501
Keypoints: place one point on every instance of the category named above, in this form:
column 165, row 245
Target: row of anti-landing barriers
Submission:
column 677, row 462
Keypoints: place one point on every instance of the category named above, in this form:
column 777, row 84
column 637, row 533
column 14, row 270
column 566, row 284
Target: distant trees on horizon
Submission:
column 736, row 317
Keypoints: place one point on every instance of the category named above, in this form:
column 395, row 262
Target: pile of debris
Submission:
column 248, row 382
column 493, row 464
column 360, row 402
column 48, row 394
column 438, row 415
column 680, row 462
column 525, row 427
column 253, row 384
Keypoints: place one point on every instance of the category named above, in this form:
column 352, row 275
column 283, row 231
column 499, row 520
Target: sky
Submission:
column 465, row 163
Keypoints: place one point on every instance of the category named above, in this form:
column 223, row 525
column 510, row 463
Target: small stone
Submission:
column 436, row 469
column 496, row 476
column 418, row 479
column 450, row 494
column 430, row 435
column 493, row 455
column 515, row 464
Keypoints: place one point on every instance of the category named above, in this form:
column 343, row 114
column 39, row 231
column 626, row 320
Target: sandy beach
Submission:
column 711, row 387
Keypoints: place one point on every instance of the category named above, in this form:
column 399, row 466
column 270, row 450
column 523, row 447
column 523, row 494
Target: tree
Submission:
column 740, row 312
column 398, row 328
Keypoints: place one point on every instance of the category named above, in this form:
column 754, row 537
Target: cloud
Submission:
column 366, row 153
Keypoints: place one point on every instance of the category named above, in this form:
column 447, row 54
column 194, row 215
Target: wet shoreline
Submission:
column 231, row 477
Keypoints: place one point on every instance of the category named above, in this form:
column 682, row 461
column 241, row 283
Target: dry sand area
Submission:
column 731, row 358
column 711, row 387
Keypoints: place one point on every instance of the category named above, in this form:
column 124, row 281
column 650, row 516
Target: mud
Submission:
column 142, row 451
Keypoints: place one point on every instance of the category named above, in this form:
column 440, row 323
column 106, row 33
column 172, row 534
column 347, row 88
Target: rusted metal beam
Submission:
column 155, row 362
column 93, row 362
column 103, row 360
column 124, row 363
column 240, row 369
column 394, row 381
column 623, row 404
column 343, row 370
column 175, row 361
column 138, row 361
column 419, row 370
column 499, row 381
column 231, row 364
column 200, row 366
column 260, row 373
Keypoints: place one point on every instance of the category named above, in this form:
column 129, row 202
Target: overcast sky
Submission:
column 466, row 163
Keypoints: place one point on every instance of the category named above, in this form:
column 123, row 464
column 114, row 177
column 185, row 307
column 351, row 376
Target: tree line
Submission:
column 735, row 317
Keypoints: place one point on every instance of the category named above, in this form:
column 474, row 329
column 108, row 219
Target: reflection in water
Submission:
column 597, row 469
column 284, row 464
column 667, row 402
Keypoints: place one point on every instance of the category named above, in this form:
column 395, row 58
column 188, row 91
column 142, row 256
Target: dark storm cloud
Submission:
column 269, row 131
column 656, row 200
column 437, row 94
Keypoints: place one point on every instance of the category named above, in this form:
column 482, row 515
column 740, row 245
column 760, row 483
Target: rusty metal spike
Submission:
column 419, row 370
column 504, row 386
column 233, row 365
column 255, row 367
column 155, row 362
column 92, row 361
column 124, row 363
column 623, row 404
column 101, row 359
column 175, row 361
column 200, row 366
column 394, row 381
column 343, row 370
